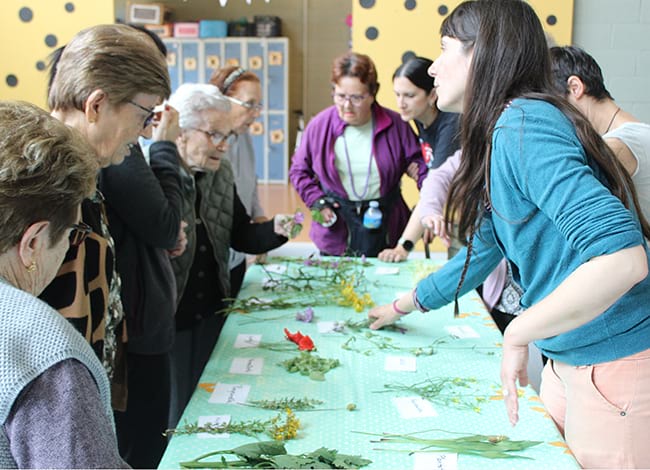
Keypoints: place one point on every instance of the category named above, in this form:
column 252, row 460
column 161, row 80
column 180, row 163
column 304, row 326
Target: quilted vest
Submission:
column 216, row 212
column 34, row 337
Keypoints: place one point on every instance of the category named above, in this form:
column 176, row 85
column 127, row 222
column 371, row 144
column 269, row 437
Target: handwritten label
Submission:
column 386, row 270
column 435, row 461
column 414, row 407
column 400, row 363
column 231, row 394
column 325, row 327
column 217, row 420
column 247, row 341
column 275, row 268
column 462, row 331
column 247, row 365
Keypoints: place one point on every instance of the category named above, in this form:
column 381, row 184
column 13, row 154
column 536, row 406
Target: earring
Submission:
column 32, row 267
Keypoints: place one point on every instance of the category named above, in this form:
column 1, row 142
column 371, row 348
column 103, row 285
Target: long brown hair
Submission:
column 510, row 49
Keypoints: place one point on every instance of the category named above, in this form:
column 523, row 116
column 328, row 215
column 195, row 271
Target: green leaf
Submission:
column 257, row 449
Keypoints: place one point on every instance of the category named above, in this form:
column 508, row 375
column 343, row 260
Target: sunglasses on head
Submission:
column 79, row 233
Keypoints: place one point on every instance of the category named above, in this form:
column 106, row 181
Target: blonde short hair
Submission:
column 116, row 58
column 46, row 170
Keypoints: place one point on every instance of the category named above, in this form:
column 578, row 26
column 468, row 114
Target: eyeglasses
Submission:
column 249, row 105
column 216, row 137
column 355, row 100
column 79, row 233
column 150, row 114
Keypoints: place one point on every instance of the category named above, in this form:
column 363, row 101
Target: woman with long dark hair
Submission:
column 538, row 185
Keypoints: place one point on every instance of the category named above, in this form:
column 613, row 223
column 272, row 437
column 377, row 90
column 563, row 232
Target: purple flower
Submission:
column 299, row 217
column 363, row 258
column 306, row 315
column 308, row 262
column 335, row 264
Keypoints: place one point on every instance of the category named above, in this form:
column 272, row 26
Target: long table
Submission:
column 459, row 355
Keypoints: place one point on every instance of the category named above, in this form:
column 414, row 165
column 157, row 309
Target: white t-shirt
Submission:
column 636, row 135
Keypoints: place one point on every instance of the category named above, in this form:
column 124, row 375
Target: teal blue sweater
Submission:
column 550, row 214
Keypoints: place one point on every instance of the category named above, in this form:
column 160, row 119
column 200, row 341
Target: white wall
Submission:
column 617, row 34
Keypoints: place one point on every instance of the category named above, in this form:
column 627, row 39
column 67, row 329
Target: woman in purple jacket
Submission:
column 353, row 153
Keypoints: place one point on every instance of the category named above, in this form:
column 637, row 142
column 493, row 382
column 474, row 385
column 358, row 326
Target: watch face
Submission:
column 407, row 245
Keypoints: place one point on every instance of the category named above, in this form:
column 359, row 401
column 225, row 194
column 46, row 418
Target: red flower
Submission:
column 304, row 342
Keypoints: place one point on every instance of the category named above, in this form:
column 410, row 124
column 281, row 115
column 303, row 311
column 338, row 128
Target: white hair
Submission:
column 190, row 99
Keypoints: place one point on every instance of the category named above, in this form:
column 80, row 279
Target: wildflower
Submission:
column 306, row 315
column 304, row 342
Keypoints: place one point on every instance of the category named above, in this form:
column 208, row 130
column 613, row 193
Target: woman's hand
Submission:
column 436, row 223
column 181, row 243
column 165, row 125
column 514, row 368
column 286, row 225
column 413, row 170
column 393, row 255
column 383, row 315
column 328, row 215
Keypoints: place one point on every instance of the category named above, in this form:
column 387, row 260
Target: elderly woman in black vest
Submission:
column 217, row 220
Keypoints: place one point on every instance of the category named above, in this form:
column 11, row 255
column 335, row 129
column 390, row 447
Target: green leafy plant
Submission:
column 310, row 364
column 274, row 455
column 480, row 445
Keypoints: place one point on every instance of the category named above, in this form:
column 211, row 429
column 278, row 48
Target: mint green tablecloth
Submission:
column 363, row 373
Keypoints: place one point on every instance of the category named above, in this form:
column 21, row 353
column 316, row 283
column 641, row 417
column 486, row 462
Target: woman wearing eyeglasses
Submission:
column 242, row 88
column 217, row 221
column 109, row 98
column 55, row 404
column 351, row 154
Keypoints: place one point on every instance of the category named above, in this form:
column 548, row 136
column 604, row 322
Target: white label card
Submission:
column 386, row 270
column 230, row 393
column 325, row 327
column 247, row 365
column 400, row 364
column 217, row 420
column 435, row 461
column 462, row 331
column 275, row 268
column 414, row 407
column 245, row 340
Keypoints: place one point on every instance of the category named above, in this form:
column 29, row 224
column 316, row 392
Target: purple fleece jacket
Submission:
column 313, row 170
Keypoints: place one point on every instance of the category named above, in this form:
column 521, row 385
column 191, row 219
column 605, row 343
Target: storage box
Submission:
column 161, row 30
column 267, row 26
column 147, row 13
column 186, row 30
column 241, row 29
column 213, row 29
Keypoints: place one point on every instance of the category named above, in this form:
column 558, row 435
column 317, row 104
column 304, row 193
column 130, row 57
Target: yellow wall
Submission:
column 25, row 45
column 399, row 30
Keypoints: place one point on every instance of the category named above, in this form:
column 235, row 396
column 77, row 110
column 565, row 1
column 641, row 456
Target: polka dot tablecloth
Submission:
column 466, row 349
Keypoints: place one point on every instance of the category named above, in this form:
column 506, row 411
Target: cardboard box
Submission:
column 161, row 30
column 147, row 13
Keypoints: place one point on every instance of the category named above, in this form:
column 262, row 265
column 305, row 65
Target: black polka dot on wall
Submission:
column 11, row 80
column 51, row 40
column 25, row 14
column 372, row 33
column 367, row 3
column 69, row 7
column 40, row 65
column 443, row 10
column 551, row 20
column 408, row 55
column 410, row 4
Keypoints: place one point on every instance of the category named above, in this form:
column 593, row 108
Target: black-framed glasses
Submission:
column 355, row 100
column 79, row 233
column 216, row 137
column 150, row 114
column 249, row 105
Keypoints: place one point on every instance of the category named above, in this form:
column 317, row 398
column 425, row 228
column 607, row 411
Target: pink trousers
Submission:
column 602, row 410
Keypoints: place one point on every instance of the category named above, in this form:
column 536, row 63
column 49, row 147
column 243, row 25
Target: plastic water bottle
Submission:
column 372, row 216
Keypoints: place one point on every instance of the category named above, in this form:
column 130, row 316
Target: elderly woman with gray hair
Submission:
column 217, row 221
column 55, row 405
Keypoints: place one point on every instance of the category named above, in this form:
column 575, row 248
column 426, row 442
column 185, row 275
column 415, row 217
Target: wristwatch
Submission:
column 406, row 244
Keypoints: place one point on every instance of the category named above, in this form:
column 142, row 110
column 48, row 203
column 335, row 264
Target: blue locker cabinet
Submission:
column 194, row 60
